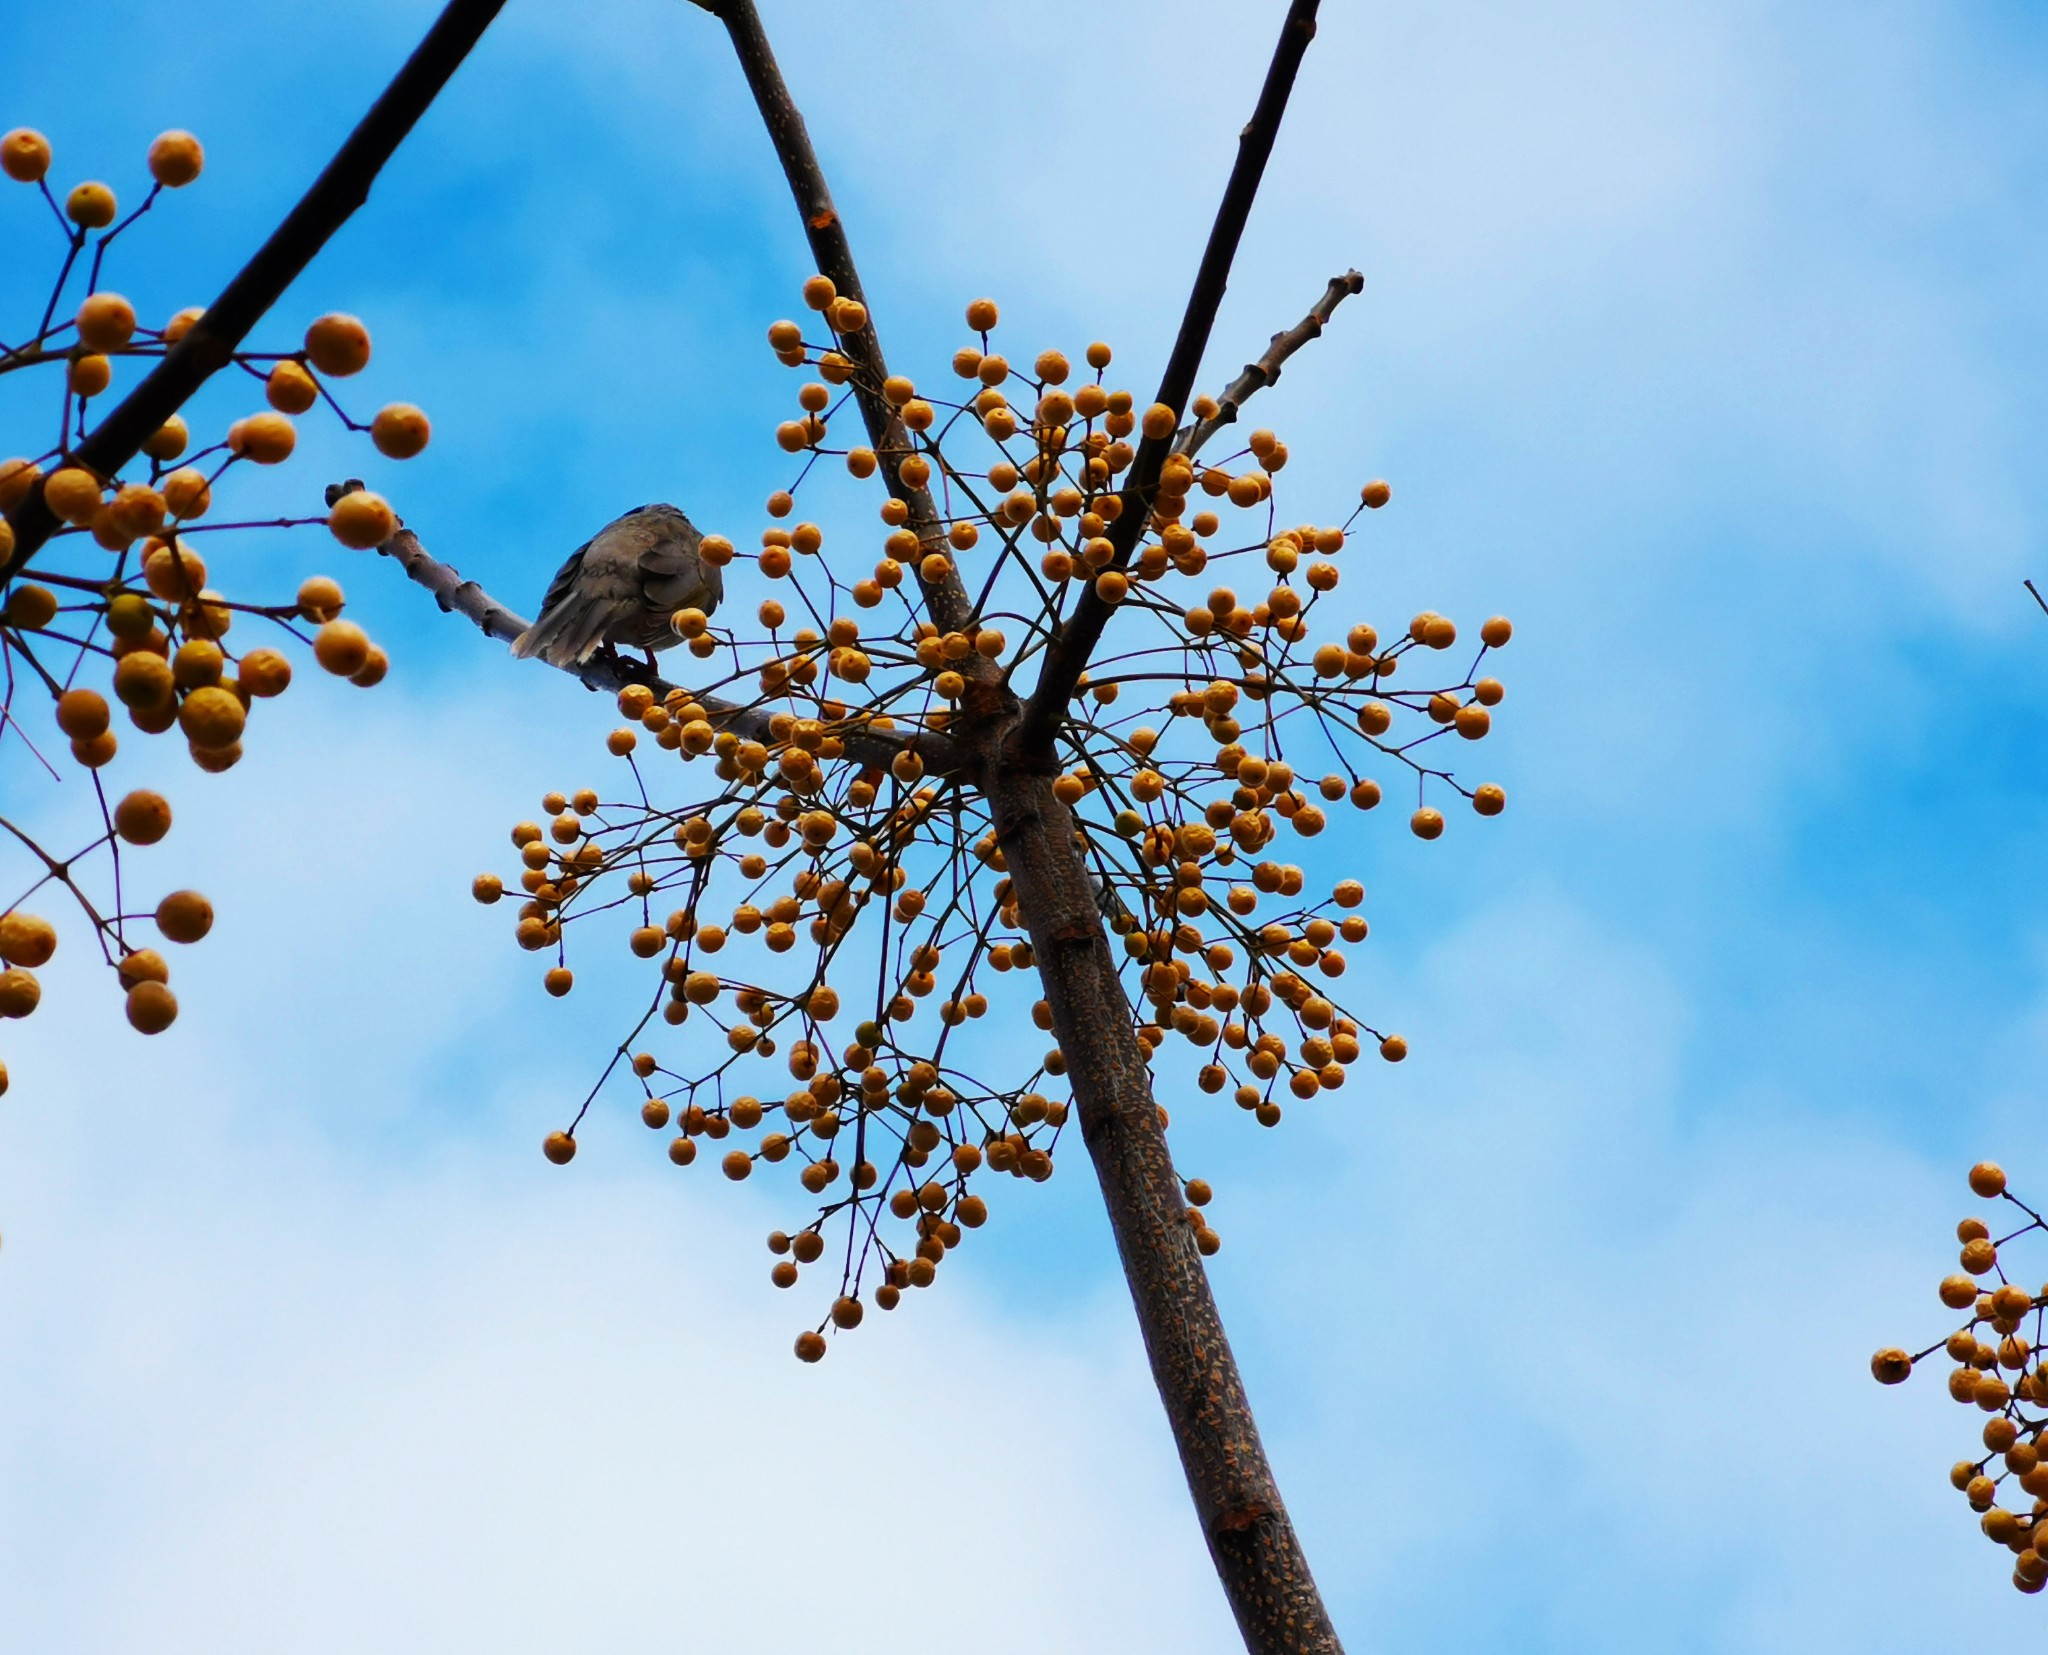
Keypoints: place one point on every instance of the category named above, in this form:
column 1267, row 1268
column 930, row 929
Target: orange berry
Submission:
column 26, row 939
column 90, row 206
column 106, row 322
column 1987, row 1179
column 212, row 717
column 320, row 598
column 142, row 817
column 168, row 440
column 1496, row 632
column 338, row 345
column 24, row 155
column 982, row 315
column 73, row 494
column 1489, row 799
column 290, row 389
column 1376, row 493
column 1393, row 1048
column 266, row 438
column 819, row 292
column 89, row 375
column 187, row 493
column 82, row 714
column 1891, row 1366
column 20, row 993
column 1426, row 823
column 400, row 431
column 810, row 1347
column 362, row 520
column 152, row 1008
column 17, row 477
column 264, row 673
column 175, row 159
column 184, row 916
column 342, row 647
column 559, row 1147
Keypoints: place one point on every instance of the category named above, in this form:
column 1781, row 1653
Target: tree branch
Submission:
column 610, row 673
column 1266, row 371
column 210, row 345
column 946, row 600
column 1067, row 658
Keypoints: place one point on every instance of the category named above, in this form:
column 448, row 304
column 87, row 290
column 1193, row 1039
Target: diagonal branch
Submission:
column 459, row 596
column 1067, row 659
column 1266, row 371
column 946, row 599
column 210, row 345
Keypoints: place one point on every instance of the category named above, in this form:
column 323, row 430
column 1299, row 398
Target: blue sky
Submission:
column 1705, row 341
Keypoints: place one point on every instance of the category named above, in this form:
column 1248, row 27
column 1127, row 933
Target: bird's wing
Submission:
column 672, row 574
column 594, row 591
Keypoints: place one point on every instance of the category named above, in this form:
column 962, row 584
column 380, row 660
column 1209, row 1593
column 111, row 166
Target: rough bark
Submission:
column 1258, row 1557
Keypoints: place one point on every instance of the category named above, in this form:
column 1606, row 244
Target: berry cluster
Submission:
column 114, row 610
column 1998, row 1369
column 841, row 859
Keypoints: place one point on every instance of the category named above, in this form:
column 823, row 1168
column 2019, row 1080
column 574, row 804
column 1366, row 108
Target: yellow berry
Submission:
column 338, row 345
column 342, row 647
column 152, row 1008
column 24, row 155
column 26, row 939
column 184, row 916
column 175, row 159
column 290, row 389
column 142, row 817
column 167, row 441
column 90, row 206
column 266, row 438
column 106, row 322
column 362, row 520
column 400, row 431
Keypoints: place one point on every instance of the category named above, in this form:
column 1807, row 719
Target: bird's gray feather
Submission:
column 621, row 587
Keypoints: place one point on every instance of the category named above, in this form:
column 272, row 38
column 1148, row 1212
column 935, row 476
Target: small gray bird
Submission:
column 621, row 587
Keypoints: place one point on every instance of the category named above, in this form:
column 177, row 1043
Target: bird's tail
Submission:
column 567, row 633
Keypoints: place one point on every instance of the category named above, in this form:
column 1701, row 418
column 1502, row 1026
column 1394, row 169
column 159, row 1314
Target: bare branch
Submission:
column 459, row 596
column 2031, row 587
column 210, row 345
column 1266, row 371
column 1067, row 659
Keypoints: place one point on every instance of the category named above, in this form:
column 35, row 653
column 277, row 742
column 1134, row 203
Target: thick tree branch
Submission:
column 1067, row 658
column 946, row 599
column 1251, row 1541
column 1257, row 1555
column 1266, row 371
column 211, row 344
column 611, row 673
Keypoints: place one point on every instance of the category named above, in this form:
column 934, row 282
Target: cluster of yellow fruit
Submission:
column 1999, row 1370
column 1211, row 725
column 114, row 611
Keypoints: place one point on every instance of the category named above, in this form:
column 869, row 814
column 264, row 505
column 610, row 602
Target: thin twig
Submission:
column 2043, row 602
column 1266, row 371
